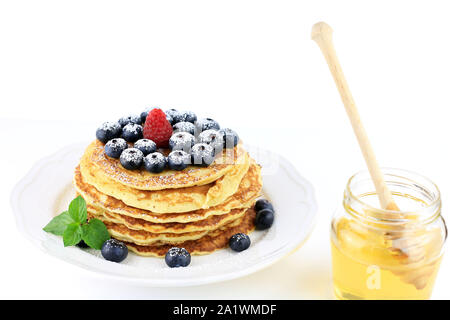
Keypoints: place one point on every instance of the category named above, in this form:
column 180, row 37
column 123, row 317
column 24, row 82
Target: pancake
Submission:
column 144, row 238
column 208, row 224
column 144, row 180
column 167, row 200
column 122, row 233
column 248, row 190
column 207, row 244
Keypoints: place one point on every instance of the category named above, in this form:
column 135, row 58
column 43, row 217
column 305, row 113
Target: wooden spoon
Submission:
column 322, row 35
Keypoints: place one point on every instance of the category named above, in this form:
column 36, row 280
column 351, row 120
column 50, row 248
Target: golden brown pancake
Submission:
column 167, row 200
column 207, row 244
column 249, row 189
column 208, row 224
column 140, row 237
column 144, row 180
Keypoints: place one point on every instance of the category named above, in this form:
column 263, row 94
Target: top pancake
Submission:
column 168, row 179
column 167, row 200
column 249, row 189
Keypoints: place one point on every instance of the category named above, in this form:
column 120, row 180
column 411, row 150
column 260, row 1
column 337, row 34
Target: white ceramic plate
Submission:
column 47, row 189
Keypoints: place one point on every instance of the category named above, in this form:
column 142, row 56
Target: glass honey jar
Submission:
column 383, row 254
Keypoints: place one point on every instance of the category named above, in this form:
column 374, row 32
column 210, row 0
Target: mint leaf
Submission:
column 95, row 233
column 59, row 224
column 73, row 226
column 77, row 210
column 72, row 234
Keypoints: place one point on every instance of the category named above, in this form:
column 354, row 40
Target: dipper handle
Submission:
column 322, row 35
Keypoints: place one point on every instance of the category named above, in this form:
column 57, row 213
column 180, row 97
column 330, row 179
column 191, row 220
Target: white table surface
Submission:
column 306, row 274
column 67, row 67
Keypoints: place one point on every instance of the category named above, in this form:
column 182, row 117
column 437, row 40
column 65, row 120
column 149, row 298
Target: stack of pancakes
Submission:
column 198, row 208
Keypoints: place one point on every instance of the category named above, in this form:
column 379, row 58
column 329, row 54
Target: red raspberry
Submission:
column 157, row 128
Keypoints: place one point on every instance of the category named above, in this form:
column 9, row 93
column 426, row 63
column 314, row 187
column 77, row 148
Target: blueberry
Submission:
column 188, row 116
column 132, row 132
column 82, row 244
column 264, row 219
column 239, row 242
column 115, row 147
column 172, row 112
column 207, row 124
column 178, row 116
column 178, row 160
column 132, row 158
column 230, row 138
column 184, row 127
column 169, row 118
column 174, row 115
column 130, row 119
column 263, row 204
column 212, row 137
column 181, row 141
column 155, row 162
column 145, row 145
column 144, row 115
column 108, row 131
column 202, row 154
column 177, row 257
column 114, row 250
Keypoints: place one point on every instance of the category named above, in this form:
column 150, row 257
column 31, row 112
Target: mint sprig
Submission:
column 73, row 226
column 77, row 209
column 59, row 224
column 72, row 234
column 94, row 233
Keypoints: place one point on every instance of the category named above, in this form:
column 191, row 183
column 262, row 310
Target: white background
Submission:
column 67, row 66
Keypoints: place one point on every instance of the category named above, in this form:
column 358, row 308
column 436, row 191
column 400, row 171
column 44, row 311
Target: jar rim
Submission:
column 401, row 173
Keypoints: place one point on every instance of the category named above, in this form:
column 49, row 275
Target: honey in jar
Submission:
column 382, row 254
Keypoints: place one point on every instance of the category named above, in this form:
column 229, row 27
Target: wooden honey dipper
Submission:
column 403, row 246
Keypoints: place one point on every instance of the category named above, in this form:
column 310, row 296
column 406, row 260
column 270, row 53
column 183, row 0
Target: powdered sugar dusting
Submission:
column 110, row 126
column 133, row 128
column 181, row 140
column 154, row 158
column 184, row 127
column 131, row 155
